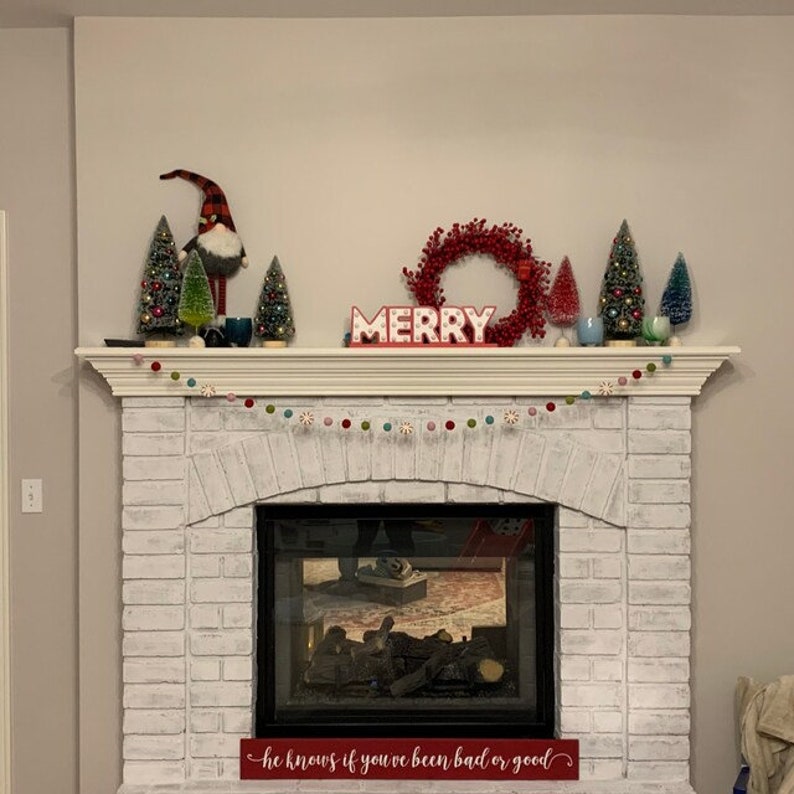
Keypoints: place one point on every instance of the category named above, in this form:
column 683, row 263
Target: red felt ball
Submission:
column 551, row 407
column 249, row 403
column 156, row 366
column 449, row 424
column 346, row 424
column 636, row 374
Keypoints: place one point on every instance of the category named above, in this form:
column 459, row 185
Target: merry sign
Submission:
column 420, row 325
column 409, row 759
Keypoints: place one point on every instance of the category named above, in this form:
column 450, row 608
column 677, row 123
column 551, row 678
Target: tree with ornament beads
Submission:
column 160, row 287
column 676, row 300
column 621, row 302
column 196, row 306
column 273, row 322
column 562, row 302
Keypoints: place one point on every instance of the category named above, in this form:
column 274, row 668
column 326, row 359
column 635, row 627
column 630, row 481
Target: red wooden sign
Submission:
column 409, row 759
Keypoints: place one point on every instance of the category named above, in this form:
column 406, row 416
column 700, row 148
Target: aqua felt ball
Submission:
column 191, row 382
column 387, row 426
column 288, row 413
column 585, row 395
column 489, row 420
column 667, row 359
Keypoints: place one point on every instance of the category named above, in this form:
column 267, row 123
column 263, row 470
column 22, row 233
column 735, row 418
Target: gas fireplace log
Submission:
column 471, row 662
column 424, row 674
column 405, row 645
column 477, row 665
column 376, row 642
column 334, row 642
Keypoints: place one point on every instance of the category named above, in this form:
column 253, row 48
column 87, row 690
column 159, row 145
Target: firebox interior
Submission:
column 405, row 620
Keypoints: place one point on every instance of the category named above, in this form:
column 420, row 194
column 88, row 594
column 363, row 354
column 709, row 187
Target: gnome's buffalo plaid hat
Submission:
column 214, row 208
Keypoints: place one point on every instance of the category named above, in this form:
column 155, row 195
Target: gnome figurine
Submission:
column 217, row 242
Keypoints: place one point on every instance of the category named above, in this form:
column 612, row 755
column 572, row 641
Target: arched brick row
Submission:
column 267, row 465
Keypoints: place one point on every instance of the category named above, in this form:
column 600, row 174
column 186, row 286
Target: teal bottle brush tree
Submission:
column 676, row 300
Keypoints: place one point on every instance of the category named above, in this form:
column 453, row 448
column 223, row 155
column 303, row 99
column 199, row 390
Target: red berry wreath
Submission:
column 505, row 245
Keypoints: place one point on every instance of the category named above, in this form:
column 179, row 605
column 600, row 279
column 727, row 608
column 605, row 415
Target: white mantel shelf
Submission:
column 425, row 371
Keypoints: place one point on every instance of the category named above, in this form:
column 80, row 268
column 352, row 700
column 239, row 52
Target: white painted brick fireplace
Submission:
column 618, row 468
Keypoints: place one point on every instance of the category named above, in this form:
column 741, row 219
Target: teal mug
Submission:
column 239, row 331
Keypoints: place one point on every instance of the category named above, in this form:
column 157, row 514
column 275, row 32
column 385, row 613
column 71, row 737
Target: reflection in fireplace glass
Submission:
column 405, row 620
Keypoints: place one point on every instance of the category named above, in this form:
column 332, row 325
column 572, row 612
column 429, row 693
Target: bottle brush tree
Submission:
column 160, row 286
column 562, row 303
column 196, row 306
column 676, row 300
column 621, row 302
column 273, row 322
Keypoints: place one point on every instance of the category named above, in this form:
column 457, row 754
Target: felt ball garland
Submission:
column 510, row 416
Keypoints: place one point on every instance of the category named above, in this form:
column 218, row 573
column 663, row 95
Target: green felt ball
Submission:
column 271, row 409
column 570, row 399
column 174, row 375
column 472, row 423
column 365, row 425
column 651, row 367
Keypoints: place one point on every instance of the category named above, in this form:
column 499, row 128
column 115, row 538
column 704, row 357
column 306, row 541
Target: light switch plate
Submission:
column 32, row 497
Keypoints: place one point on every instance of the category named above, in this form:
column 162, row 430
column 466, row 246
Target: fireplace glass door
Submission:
column 405, row 620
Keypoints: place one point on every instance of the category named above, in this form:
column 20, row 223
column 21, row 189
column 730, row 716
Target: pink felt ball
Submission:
column 532, row 411
column 622, row 380
column 328, row 421
column 431, row 426
column 231, row 396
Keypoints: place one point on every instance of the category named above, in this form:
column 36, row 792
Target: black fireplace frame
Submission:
column 457, row 723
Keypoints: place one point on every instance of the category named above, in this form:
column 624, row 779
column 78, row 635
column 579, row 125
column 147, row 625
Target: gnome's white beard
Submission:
column 221, row 242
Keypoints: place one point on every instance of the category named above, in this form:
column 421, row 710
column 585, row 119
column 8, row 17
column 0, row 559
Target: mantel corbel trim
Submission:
column 426, row 372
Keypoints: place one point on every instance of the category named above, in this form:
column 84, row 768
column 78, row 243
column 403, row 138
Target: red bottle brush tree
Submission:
column 562, row 303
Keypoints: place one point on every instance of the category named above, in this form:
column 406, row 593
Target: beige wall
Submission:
column 341, row 145
column 37, row 191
